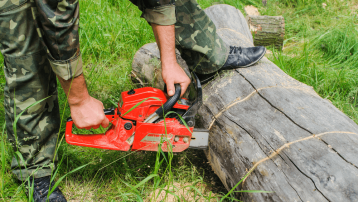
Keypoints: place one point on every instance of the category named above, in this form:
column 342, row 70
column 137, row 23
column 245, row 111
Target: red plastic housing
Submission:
column 154, row 98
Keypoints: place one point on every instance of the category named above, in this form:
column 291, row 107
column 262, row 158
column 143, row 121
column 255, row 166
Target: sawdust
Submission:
column 183, row 191
column 252, row 10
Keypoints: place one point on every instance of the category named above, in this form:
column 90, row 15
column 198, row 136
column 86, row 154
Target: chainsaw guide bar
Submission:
column 148, row 125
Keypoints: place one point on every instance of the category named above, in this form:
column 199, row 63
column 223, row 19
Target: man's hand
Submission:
column 86, row 112
column 89, row 114
column 172, row 73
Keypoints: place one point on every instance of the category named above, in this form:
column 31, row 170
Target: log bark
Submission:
column 297, row 145
column 268, row 30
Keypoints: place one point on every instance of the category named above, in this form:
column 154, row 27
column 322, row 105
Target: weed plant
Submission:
column 320, row 50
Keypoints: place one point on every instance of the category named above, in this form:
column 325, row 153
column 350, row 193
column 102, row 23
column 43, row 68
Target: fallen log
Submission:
column 265, row 123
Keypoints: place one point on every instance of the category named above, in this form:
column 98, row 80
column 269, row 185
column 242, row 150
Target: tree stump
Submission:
column 263, row 122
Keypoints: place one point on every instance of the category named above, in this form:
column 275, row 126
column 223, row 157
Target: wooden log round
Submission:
column 268, row 30
column 297, row 145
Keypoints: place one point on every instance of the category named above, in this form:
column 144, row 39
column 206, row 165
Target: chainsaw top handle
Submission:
column 170, row 102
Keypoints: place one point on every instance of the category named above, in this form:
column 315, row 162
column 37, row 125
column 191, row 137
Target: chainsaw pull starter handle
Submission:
column 170, row 102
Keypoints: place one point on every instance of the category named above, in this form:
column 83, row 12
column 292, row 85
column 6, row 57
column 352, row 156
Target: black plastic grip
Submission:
column 170, row 103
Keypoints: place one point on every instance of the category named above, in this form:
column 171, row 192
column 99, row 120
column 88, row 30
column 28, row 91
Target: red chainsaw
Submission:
column 146, row 118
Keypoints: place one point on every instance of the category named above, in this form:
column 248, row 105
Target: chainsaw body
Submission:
column 139, row 123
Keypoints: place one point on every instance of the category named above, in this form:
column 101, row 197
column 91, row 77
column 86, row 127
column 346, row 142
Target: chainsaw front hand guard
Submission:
column 196, row 95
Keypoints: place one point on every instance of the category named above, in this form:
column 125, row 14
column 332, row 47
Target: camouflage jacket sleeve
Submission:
column 161, row 12
column 57, row 24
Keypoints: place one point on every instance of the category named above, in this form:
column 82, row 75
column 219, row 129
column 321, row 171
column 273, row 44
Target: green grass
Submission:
column 320, row 50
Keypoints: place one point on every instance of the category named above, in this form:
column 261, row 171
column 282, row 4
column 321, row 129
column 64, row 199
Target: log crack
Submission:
column 272, row 104
column 308, row 178
column 246, row 132
column 263, row 97
column 288, row 182
column 238, row 100
column 337, row 152
column 276, row 152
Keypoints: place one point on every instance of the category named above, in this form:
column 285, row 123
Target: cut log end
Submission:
column 267, row 30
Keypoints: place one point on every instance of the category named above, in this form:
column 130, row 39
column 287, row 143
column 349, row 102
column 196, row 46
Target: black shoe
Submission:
column 41, row 187
column 243, row 57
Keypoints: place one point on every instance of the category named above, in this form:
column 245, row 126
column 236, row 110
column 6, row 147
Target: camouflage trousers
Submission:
column 196, row 38
column 29, row 78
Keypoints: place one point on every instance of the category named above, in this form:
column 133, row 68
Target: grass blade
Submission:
column 3, row 159
column 144, row 181
column 139, row 103
column 61, row 178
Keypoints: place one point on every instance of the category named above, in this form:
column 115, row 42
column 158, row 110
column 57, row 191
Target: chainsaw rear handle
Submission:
column 109, row 111
column 170, row 103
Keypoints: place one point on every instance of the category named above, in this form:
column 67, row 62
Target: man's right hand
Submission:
column 86, row 111
column 89, row 114
column 174, row 74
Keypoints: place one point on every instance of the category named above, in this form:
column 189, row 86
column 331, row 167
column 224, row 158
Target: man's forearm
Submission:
column 75, row 89
column 165, row 37
column 86, row 111
column 172, row 73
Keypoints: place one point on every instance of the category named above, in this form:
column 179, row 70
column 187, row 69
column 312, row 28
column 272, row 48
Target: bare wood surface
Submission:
column 298, row 145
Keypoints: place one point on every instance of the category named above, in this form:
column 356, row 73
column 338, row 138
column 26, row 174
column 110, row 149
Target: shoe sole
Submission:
column 248, row 65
